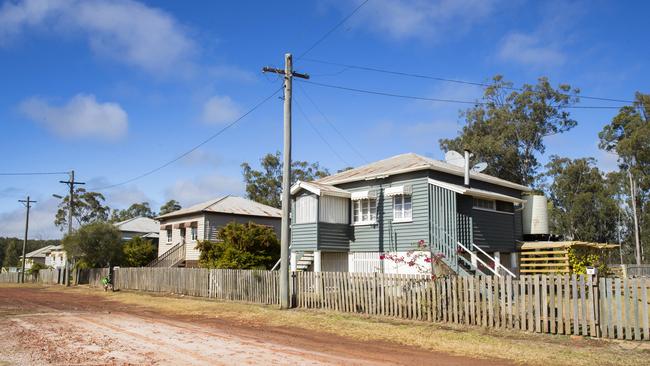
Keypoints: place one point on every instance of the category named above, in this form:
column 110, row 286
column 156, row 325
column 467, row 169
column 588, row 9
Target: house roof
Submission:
column 409, row 162
column 474, row 192
column 139, row 225
column 39, row 253
column 229, row 205
column 319, row 189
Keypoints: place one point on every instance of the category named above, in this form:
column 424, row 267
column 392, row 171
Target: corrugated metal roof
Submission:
column 139, row 225
column 409, row 162
column 319, row 189
column 39, row 253
column 229, row 205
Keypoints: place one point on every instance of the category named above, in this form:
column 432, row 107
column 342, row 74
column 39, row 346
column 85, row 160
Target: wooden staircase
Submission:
column 174, row 257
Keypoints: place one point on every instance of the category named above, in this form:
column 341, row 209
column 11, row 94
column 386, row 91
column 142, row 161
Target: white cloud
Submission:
column 41, row 221
column 124, row 30
column 220, row 109
column 192, row 191
column 81, row 117
column 202, row 157
column 530, row 49
column 420, row 18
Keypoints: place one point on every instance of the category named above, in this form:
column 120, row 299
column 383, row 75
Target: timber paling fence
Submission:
column 45, row 276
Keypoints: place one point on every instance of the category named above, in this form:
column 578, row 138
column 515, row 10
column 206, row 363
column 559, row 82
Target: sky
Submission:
column 115, row 89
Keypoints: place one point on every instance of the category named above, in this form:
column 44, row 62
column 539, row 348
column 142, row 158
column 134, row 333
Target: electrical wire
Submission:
column 403, row 96
column 352, row 147
column 319, row 134
column 212, row 137
column 327, row 34
column 422, row 76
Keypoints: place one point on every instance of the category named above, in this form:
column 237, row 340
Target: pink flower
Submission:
column 382, row 257
column 411, row 263
column 428, row 260
column 421, row 242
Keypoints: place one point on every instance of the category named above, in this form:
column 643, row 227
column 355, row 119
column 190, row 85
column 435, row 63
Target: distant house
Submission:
column 37, row 256
column 346, row 221
column 181, row 230
column 143, row 227
column 55, row 257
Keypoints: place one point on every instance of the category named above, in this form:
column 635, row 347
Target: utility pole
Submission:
column 71, row 183
column 285, row 301
column 28, row 204
column 636, row 219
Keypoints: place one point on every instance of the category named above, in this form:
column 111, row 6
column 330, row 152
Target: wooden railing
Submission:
column 170, row 258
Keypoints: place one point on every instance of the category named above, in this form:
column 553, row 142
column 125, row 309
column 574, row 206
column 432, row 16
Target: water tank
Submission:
column 535, row 215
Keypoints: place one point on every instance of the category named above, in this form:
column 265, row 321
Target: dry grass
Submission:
column 520, row 347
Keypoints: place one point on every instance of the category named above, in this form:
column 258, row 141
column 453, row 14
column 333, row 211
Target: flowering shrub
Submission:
column 414, row 258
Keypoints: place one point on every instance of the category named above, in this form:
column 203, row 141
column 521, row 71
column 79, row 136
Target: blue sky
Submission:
column 115, row 88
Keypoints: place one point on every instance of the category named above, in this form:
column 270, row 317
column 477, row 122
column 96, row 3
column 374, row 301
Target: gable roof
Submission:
column 229, row 205
column 319, row 189
column 410, row 162
column 39, row 253
column 139, row 225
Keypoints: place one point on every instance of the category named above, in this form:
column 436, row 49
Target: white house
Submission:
column 55, row 257
column 37, row 256
column 181, row 230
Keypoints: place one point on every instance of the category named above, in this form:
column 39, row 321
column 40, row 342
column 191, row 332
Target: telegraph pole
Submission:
column 285, row 301
column 71, row 183
column 28, row 204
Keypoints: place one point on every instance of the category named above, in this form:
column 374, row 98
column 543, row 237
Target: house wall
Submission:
column 333, row 237
column 334, row 262
column 306, row 208
column 494, row 230
column 334, row 210
column 386, row 235
column 304, row 237
column 454, row 179
column 190, row 251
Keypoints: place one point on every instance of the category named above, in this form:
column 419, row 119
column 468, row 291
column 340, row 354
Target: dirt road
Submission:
column 44, row 327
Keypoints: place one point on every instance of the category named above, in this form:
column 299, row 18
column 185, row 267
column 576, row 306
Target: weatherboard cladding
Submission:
column 386, row 235
column 304, row 237
column 494, row 231
column 333, row 237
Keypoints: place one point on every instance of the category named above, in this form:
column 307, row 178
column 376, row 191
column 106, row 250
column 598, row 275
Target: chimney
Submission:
column 467, row 153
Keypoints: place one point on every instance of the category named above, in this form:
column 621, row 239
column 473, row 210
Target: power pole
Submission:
column 71, row 183
column 28, row 204
column 285, row 301
column 636, row 219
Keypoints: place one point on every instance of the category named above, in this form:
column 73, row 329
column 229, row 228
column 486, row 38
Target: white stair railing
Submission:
column 475, row 259
column 497, row 265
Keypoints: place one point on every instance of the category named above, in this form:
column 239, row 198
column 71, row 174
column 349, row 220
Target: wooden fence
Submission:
column 612, row 308
column 12, row 277
column 261, row 287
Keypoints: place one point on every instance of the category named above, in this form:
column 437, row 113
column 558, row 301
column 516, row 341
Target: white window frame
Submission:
column 169, row 235
column 476, row 203
column 404, row 215
column 193, row 233
column 364, row 203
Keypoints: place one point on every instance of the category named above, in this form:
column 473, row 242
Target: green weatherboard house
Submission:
column 346, row 221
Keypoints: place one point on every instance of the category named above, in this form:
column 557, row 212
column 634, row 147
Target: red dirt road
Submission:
column 41, row 327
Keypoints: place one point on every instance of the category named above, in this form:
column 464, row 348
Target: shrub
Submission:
column 139, row 252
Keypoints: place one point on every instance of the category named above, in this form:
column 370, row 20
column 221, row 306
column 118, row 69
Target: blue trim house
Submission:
column 345, row 221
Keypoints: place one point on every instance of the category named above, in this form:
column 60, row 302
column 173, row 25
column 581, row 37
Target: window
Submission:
column 193, row 233
column 169, row 235
column 402, row 209
column 365, row 211
column 484, row 204
column 183, row 233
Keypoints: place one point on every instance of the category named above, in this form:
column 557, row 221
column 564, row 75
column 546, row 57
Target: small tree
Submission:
column 95, row 245
column 139, row 252
column 241, row 246
column 35, row 268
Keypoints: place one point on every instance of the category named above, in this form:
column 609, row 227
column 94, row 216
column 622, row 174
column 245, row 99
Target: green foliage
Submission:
column 583, row 207
column 507, row 129
column 265, row 185
column 170, row 206
column 88, row 208
column 139, row 252
column 582, row 257
column 35, row 268
column 241, row 246
column 135, row 210
column 95, row 245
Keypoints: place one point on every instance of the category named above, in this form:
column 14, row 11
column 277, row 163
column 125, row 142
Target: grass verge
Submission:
column 516, row 346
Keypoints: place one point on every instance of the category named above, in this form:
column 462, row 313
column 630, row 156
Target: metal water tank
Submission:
column 535, row 215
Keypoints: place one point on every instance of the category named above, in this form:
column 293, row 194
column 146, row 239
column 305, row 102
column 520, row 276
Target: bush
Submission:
column 35, row 268
column 95, row 245
column 241, row 246
column 139, row 252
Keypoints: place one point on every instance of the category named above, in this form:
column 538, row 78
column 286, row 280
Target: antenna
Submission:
column 479, row 167
column 454, row 158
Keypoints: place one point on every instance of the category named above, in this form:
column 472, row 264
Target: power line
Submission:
column 212, row 137
column 304, row 92
column 35, row 173
column 403, row 96
column 429, row 77
column 327, row 34
column 319, row 134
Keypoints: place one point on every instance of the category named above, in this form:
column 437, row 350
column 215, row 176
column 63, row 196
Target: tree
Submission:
column 170, row 206
column 507, row 128
column 628, row 136
column 265, row 185
column 241, row 246
column 135, row 210
column 95, row 245
column 583, row 207
column 88, row 208
column 139, row 252
column 11, row 249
